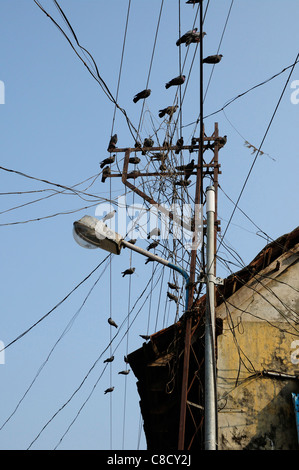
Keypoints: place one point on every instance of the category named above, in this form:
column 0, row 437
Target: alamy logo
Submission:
column 295, row 354
column 179, row 222
column 2, row 92
column 295, row 94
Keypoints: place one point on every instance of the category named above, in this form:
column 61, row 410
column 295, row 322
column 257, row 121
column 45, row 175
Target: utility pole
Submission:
column 198, row 201
column 210, row 409
column 203, row 168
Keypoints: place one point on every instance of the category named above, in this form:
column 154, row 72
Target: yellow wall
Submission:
column 256, row 412
column 260, row 332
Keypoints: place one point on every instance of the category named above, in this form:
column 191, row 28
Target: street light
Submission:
column 91, row 232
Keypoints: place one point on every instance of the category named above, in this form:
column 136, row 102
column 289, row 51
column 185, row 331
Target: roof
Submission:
column 158, row 363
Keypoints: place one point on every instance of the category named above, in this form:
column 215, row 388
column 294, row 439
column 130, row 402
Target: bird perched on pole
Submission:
column 212, row 59
column 128, row 272
column 112, row 143
column 188, row 170
column 107, row 161
column 109, row 390
column 112, row 323
column 220, row 142
column 170, row 110
column 109, row 359
column 142, row 95
column 177, row 81
column 109, row 215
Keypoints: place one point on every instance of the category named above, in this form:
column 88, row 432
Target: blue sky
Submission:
column 56, row 124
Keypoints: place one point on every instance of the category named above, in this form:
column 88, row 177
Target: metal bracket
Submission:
column 203, row 278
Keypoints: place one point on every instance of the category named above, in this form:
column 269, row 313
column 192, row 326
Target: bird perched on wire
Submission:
column 112, row 143
column 177, row 81
column 112, row 322
column 182, row 183
column 107, row 161
column 153, row 245
column 148, row 142
column 172, row 297
column 173, row 286
column 134, row 160
column 109, row 359
column 212, row 59
column 109, row 390
column 142, row 95
column 106, row 172
column 194, row 38
column 185, row 37
column 124, row 372
column 109, row 215
column 154, row 232
column 179, row 145
column 128, row 272
column 170, row 110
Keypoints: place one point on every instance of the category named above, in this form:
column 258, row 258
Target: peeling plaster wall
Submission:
column 260, row 332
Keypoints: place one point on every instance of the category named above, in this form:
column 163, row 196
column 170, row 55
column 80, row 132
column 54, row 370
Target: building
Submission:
column 257, row 361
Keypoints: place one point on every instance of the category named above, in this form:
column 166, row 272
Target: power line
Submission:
column 55, row 307
column 261, row 144
column 96, row 75
column 232, row 100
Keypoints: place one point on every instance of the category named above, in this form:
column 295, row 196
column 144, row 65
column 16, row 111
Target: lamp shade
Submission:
column 91, row 232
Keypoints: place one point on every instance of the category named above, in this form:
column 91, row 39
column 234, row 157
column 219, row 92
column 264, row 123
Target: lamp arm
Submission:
column 161, row 261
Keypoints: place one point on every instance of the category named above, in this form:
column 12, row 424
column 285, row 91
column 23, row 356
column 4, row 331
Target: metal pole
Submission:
column 198, row 200
column 210, row 376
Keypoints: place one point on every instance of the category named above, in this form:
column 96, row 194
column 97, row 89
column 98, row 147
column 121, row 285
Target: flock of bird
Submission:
column 190, row 37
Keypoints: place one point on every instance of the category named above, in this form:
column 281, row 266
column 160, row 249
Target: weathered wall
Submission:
column 260, row 333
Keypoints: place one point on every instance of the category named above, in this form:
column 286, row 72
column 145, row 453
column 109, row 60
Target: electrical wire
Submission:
column 260, row 147
column 53, row 308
